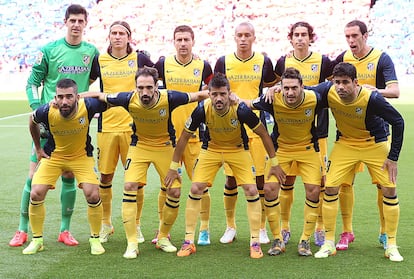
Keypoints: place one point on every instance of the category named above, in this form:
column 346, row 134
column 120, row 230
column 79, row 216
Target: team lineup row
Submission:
column 246, row 74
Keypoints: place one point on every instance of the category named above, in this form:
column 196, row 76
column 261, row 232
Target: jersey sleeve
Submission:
column 93, row 106
column 386, row 67
column 38, row 74
column 380, row 107
column 95, row 69
column 176, row 99
column 247, row 116
column 326, row 68
column 207, row 72
column 144, row 60
column 261, row 104
column 159, row 65
column 120, row 99
column 220, row 66
column 280, row 66
column 40, row 115
column 339, row 59
column 197, row 117
column 322, row 90
column 269, row 77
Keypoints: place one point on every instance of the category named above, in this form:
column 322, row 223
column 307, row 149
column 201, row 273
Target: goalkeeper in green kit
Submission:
column 69, row 57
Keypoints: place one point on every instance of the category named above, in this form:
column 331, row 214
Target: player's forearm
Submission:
column 267, row 141
column 179, row 148
column 199, row 96
column 98, row 95
column 391, row 91
column 35, row 133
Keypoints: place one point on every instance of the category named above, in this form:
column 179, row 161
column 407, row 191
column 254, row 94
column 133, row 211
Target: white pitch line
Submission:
column 14, row 116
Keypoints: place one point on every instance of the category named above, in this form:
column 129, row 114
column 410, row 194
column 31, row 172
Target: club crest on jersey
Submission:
column 256, row 68
column 314, row 68
column 131, row 63
column 188, row 122
column 308, row 112
column 234, row 122
column 82, row 120
column 358, row 110
column 196, row 72
column 86, row 59
column 370, row 66
column 163, row 112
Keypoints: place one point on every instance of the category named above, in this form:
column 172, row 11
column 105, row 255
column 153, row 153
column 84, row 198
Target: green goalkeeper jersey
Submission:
column 55, row 61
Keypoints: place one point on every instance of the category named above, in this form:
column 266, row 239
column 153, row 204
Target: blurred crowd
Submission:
column 27, row 25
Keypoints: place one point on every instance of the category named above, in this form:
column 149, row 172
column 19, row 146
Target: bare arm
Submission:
column 99, row 95
column 198, row 96
column 175, row 164
column 275, row 169
column 392, row 90
column 35, row 133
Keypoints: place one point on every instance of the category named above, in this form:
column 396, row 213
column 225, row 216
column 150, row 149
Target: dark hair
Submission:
column 219, row 80
column 67, row 83
column 362, row 26
column 76, row 9
column 184, row 28
column 311, row 34
column 345, row 69
column 292, row 73
column 147, row 72
column 128, row 29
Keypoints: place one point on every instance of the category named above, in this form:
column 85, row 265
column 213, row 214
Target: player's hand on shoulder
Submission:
column 271, row 91
column 234, row 99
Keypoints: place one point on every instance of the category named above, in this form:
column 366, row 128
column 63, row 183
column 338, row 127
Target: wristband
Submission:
column 174, row 165
column 274, row 162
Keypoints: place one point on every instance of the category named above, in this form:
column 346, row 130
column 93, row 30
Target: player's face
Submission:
column 147, row 90
column 292, row 91
column 118, row 37
column 300, row 38
column 356, row 41
column 183, row 43
column 346, row 88
column 244, row 38
column 76, row 24
column 66, row 100
column 220, row 98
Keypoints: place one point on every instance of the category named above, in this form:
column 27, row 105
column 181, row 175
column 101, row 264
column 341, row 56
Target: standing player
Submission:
column 116, row 69
column 296, row 141
column 225, row 142
column 362, row 118
column 314, row 68
column 69, row 57
column 376, row 72
column 248, row 72
column 153, row 140
column 68, row 148
column 182, row 72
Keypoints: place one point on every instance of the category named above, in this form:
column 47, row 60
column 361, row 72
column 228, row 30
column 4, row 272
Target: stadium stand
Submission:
column 27, row 25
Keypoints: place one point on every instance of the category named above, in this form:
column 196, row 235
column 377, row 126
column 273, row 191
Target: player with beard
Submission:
column 68, row 149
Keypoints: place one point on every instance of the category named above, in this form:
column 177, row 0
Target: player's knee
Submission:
column 68, row 174
column 231, row 182
column 174, row 192
column 106, row 178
